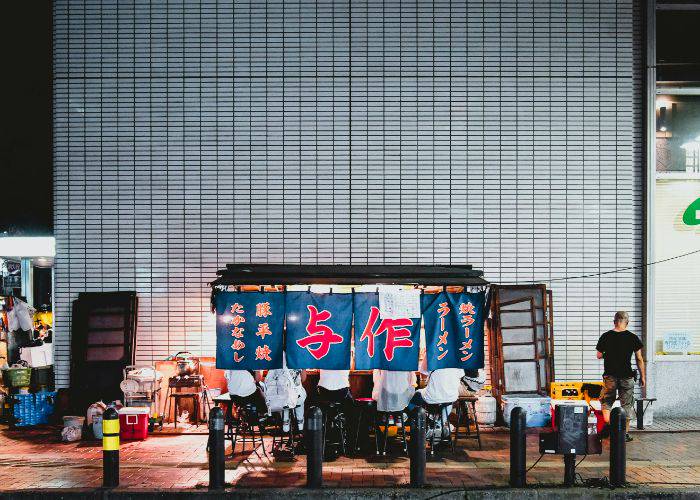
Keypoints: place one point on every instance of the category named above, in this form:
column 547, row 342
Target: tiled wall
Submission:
column 188, row 135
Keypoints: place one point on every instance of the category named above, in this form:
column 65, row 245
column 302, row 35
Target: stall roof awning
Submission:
column 284, row 274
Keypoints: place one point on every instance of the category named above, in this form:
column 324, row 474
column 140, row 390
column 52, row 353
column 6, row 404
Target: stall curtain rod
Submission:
column 261, row 288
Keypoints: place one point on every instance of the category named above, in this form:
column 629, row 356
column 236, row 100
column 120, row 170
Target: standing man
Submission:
column 616, row 347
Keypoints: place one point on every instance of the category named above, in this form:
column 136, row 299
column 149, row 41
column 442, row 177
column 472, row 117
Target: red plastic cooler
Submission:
column 133, row 422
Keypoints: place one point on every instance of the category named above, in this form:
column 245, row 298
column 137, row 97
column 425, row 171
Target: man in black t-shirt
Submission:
column 616, row 347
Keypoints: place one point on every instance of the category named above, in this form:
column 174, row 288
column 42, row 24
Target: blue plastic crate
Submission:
column 33, row 409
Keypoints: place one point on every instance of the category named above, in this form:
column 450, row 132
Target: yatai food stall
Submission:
column 349, row 317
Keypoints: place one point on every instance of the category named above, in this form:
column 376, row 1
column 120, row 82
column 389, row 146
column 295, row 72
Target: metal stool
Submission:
column 282, row 437
column 365, row 411
column 333, row 415
column 397, row 416
column 463, row 406
column 435, row 414
column 641, row 409
column 248, row 419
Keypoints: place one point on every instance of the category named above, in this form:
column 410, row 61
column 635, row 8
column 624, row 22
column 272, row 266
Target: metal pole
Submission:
column 640, row 414
column 417, row 449
column 569, row 469
column 314, row 441
column 216, row 449
column 110, row 448
column 618, row 424
column 517, row 447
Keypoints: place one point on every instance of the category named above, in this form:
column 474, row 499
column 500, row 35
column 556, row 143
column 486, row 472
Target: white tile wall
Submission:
column 504, row 134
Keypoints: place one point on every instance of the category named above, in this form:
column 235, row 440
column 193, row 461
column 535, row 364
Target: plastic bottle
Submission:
column 592, row 423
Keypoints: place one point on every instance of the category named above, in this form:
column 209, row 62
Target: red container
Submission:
column 133, row 423
column 600, row 419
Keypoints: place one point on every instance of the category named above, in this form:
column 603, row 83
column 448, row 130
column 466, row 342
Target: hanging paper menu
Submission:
column 397, row 303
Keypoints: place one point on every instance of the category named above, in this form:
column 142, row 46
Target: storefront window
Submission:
column 676, row 226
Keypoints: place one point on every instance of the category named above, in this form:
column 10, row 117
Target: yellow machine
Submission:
column 44, row 318
column 585, row 391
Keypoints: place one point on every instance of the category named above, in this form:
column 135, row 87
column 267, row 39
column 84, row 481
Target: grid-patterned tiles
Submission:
column 188, row 135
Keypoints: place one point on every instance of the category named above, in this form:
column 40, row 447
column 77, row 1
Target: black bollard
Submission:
column 417, row 449
column 313, row 431
column 517, row 447
column 217, row 449
column 569, row 469
column 618, row 428
column 640, row 414
column 110, row 448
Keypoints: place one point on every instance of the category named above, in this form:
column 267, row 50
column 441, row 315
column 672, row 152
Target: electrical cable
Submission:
column 612, row 271
column 536, row 462
column 448, row 492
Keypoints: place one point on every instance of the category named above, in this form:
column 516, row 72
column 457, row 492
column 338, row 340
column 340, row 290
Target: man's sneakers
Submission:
column 628, row 438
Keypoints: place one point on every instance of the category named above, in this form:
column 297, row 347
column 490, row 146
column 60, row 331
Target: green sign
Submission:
column 691, row 216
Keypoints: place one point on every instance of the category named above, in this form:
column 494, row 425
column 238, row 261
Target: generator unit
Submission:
column 575, row 435
column 584, row 391
column 571, row 436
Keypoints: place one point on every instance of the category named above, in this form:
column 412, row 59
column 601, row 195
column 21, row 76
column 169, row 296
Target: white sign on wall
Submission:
column 677, row 342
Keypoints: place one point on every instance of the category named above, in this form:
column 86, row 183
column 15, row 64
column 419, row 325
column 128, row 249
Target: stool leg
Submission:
column 459, row 418
column 206, row 406
column 177, row 406
column 431, row 425
column 376, row 433
column 449, row 430
column 325, row 428
column 386, row 432
column 476, row 424
column 244, row 430
column 466, row 408
column 168, row 404
column 403, row 433
column 341, row 430
column 292, row 428
column 262, row 441
column 358, row 424
column 234, row 438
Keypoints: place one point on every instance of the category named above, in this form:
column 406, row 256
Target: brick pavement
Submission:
column 679, row 424
column 37, row 459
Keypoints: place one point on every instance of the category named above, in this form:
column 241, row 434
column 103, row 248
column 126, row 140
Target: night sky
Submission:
column 25, row 119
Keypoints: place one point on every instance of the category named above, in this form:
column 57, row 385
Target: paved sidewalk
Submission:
column 33, row 459
column 680, row 424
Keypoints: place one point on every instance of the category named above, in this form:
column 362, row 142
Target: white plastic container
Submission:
column 486, row 409
column 94, row 410
column 38, row 356
column 537, row 407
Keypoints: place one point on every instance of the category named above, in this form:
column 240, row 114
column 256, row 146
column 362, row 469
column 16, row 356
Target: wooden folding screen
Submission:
column 520, row 343
column 103, row 342
column 517, row 347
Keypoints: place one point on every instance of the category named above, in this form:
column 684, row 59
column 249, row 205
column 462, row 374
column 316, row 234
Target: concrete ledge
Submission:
column 362, row 493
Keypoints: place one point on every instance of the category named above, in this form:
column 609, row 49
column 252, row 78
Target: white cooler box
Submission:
column 37, row 356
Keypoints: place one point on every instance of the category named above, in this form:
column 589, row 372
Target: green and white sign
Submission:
column 691, row 216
